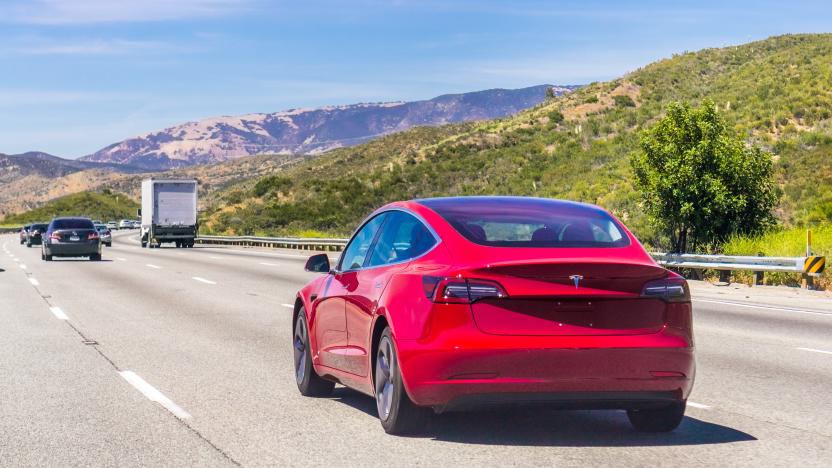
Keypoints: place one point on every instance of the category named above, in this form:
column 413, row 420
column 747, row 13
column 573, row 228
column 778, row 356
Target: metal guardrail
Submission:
column 731, row 262
column 724, row 264
column 808, row 267
column 301, row 243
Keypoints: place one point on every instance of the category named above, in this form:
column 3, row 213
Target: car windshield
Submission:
column 529, row 222
column 72, row 224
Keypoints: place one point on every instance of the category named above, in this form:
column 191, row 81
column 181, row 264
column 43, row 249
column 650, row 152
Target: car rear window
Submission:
column 72, row 224
column 529, row 222
column 39, row 227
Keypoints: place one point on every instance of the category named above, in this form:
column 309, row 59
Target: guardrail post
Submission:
column 725, row 276
column 759, row 278
column 808, row 282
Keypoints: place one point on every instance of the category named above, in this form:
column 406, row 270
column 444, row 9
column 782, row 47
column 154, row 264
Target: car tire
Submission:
column 96, row 257
column 397, row 413
column 109, row 244
column 309, row 382
column 28, row 245
column 658, row 420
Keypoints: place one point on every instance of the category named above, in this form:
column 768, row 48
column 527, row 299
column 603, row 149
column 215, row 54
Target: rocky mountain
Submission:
column 15, row 166
column 310, row 131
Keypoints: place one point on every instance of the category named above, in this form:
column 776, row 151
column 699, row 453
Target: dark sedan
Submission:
column 71, row 237
column 34, row 236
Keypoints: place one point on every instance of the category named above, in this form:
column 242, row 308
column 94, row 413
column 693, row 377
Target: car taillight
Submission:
column 55, row 236
column 93, row 236
column 460, row 290
column 671, row 289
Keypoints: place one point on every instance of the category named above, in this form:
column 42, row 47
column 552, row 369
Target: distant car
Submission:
column 23, row 233
column 105, row 234
column 97, row 221
column 71, row 237
column 456, row 303
column 137, row 224
column 112, row 225
column 125, row 224
column 34, row 236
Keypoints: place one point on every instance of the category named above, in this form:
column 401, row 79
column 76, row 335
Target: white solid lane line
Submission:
column 215, row 257
column 58, row 313
column 150, row 265
column 121, row 259
column 34, row 282
column 815, row 350
column 288, row 305
column 752, row 306
column 153, row 395
column 268, row 264
column 698, row 405
column 203, row 280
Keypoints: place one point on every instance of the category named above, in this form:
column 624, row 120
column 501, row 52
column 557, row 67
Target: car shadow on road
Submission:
column 533, row 426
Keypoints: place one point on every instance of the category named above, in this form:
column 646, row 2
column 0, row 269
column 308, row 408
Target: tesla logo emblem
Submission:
column 576, row 280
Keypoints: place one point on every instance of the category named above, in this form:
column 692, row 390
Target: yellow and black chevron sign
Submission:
column 814, row 264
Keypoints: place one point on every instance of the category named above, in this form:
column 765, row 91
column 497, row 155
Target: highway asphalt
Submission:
column 182, row 357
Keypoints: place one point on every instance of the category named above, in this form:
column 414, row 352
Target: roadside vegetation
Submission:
column 784, row 243
column 104, row 206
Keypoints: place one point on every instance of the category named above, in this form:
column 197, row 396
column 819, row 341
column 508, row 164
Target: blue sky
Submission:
column 76, row 75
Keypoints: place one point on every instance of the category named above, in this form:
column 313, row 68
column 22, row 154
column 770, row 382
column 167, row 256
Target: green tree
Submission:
column 699, row 182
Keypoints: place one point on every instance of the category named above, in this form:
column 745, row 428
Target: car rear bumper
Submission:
column 36, row 241
column 558, row 374
column 80, row 249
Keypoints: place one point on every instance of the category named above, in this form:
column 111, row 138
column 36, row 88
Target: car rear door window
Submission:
column 402, row 238
column 356, row 252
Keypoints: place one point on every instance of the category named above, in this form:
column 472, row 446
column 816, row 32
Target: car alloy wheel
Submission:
column 397, row 413
column 308, row 381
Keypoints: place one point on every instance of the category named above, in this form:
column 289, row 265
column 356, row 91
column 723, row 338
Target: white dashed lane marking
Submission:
column 288, row 305
column 203, row 280
column 811, row 350
column 58, row 313
column 153, row 394
column 698, row 405
column 34, row 282
column 150, row 265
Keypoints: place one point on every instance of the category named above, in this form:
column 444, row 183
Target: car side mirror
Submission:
column 318, row 264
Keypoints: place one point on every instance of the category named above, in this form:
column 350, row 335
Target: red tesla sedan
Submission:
column 453, row 303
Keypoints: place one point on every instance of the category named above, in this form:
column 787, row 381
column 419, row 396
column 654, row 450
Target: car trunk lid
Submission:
column 570, row 297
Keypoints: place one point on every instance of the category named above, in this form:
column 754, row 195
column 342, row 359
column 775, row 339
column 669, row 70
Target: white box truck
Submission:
column 169, row 212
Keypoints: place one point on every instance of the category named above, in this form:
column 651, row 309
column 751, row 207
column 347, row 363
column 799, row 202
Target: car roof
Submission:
column 491, row 200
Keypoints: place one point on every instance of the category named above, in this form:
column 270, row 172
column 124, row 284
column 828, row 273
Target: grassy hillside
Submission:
column 103, row 206
column 774, row 93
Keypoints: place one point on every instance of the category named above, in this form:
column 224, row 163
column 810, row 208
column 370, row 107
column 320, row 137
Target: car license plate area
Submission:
column 74, row 238
column 568, row 317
